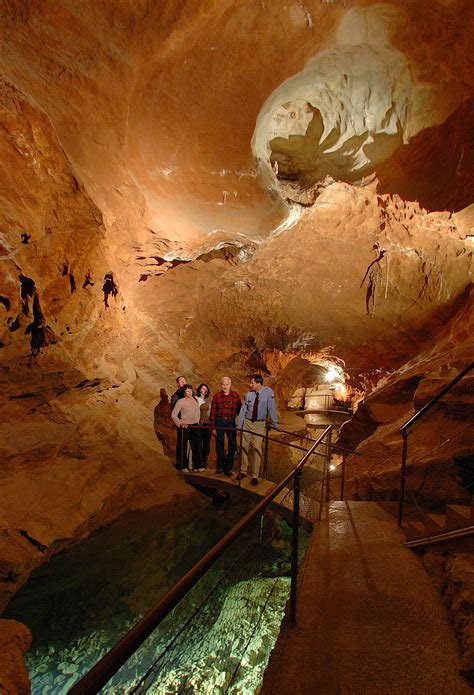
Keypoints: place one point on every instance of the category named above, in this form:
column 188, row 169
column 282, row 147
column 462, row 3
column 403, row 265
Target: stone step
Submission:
column 458, row 515
column 415, row 529
column 429, row 525
column 435, row 523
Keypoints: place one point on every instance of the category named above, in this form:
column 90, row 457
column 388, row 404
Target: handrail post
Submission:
column 321, row 496
column 409, row 423
column 265, row 453
column 294, row 546
column 328, row 464
column 403, row 473
column 343, row 476
column 240, row 457
column 406, row 427
column 261, row 526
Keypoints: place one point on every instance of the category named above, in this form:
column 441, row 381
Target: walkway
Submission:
column 369, row 620
column 282, row 504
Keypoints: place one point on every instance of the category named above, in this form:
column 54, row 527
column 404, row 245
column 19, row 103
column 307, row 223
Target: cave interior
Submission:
column 202, row 188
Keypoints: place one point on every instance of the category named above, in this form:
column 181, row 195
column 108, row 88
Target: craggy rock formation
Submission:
column 446, row 432
column 15, row 640
column 197, row 187
column 453, row 575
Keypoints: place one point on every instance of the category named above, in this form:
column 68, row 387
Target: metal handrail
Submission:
column 409, row 423
column 295, row 434
column 404, row 429
column 110, row 663
column 440, row 537
column 281, row 442
column 255, row 434
column 310, row 439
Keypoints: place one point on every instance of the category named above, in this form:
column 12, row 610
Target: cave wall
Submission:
column 170, row 146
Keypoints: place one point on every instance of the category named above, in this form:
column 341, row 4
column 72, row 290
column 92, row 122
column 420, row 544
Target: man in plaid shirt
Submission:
column 225, row 406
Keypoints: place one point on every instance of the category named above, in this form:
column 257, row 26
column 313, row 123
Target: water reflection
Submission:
column 323, row 418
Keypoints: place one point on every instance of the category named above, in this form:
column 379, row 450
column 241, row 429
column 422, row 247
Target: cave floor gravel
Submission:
column 369, row 620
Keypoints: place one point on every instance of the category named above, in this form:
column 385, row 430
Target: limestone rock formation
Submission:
column 197, row 187
column 453, row 575
column 15, row 639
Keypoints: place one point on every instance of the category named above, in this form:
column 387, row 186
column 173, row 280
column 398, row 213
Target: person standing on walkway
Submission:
column 258, row 407
column 224, row 408
column 185, row 416
column 203, row 398
column 179, row 393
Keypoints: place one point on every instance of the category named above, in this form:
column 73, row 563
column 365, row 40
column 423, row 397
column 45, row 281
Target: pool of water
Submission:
column 81, row 602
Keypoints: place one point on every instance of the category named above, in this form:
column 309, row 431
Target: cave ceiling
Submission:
column 194, row 187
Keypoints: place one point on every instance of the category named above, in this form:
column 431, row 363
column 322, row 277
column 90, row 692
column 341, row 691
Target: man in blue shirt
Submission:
column 257, row 408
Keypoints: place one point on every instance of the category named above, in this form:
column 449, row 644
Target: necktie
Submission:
column 255, row 409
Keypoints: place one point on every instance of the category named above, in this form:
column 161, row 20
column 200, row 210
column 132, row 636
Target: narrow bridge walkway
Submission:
column 369, row 620
column 282, row 505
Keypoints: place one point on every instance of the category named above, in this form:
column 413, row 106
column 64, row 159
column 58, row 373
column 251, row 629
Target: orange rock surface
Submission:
column 203, row 187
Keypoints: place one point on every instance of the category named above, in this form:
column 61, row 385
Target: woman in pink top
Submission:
column 185, row 416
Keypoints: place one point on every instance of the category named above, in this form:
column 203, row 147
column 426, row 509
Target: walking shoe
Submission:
column 200, row 470
column 218, row 470
column 185, row 470
column 228, row 474
column 254, row 481
column 241, row 476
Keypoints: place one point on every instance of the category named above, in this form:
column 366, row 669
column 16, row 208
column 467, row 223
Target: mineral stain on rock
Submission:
column 5, row 301
column 41, row 334
column 109, row 288
column 27, row 290
column 87, row 281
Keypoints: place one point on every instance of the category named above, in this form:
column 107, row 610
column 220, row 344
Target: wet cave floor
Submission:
column 218, row 639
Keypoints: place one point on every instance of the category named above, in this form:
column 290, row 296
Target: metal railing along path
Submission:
column 111, row 662
column 409, row 424
column 265, row 436
column 440, row 537
column 282, row 442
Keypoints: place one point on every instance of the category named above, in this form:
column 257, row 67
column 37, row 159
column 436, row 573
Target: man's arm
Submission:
column 272, row 409
column 238, row 404
column 212, row 415
column 241, row 416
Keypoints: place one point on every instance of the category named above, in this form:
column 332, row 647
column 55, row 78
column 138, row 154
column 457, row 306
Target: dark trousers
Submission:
column 205, row 434
column 179, row 446
column 185, row 435
column 225, row 460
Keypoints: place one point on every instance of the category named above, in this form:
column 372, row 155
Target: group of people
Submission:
column 196, row 416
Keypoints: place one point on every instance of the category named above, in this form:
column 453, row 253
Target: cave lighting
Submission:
column 332, row 374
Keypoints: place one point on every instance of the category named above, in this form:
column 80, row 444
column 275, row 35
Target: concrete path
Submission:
column 369, row 620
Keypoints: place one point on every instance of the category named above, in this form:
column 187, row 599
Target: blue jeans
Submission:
column 225, row 460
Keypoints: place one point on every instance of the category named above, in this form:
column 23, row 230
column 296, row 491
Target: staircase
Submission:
column 457, row 520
